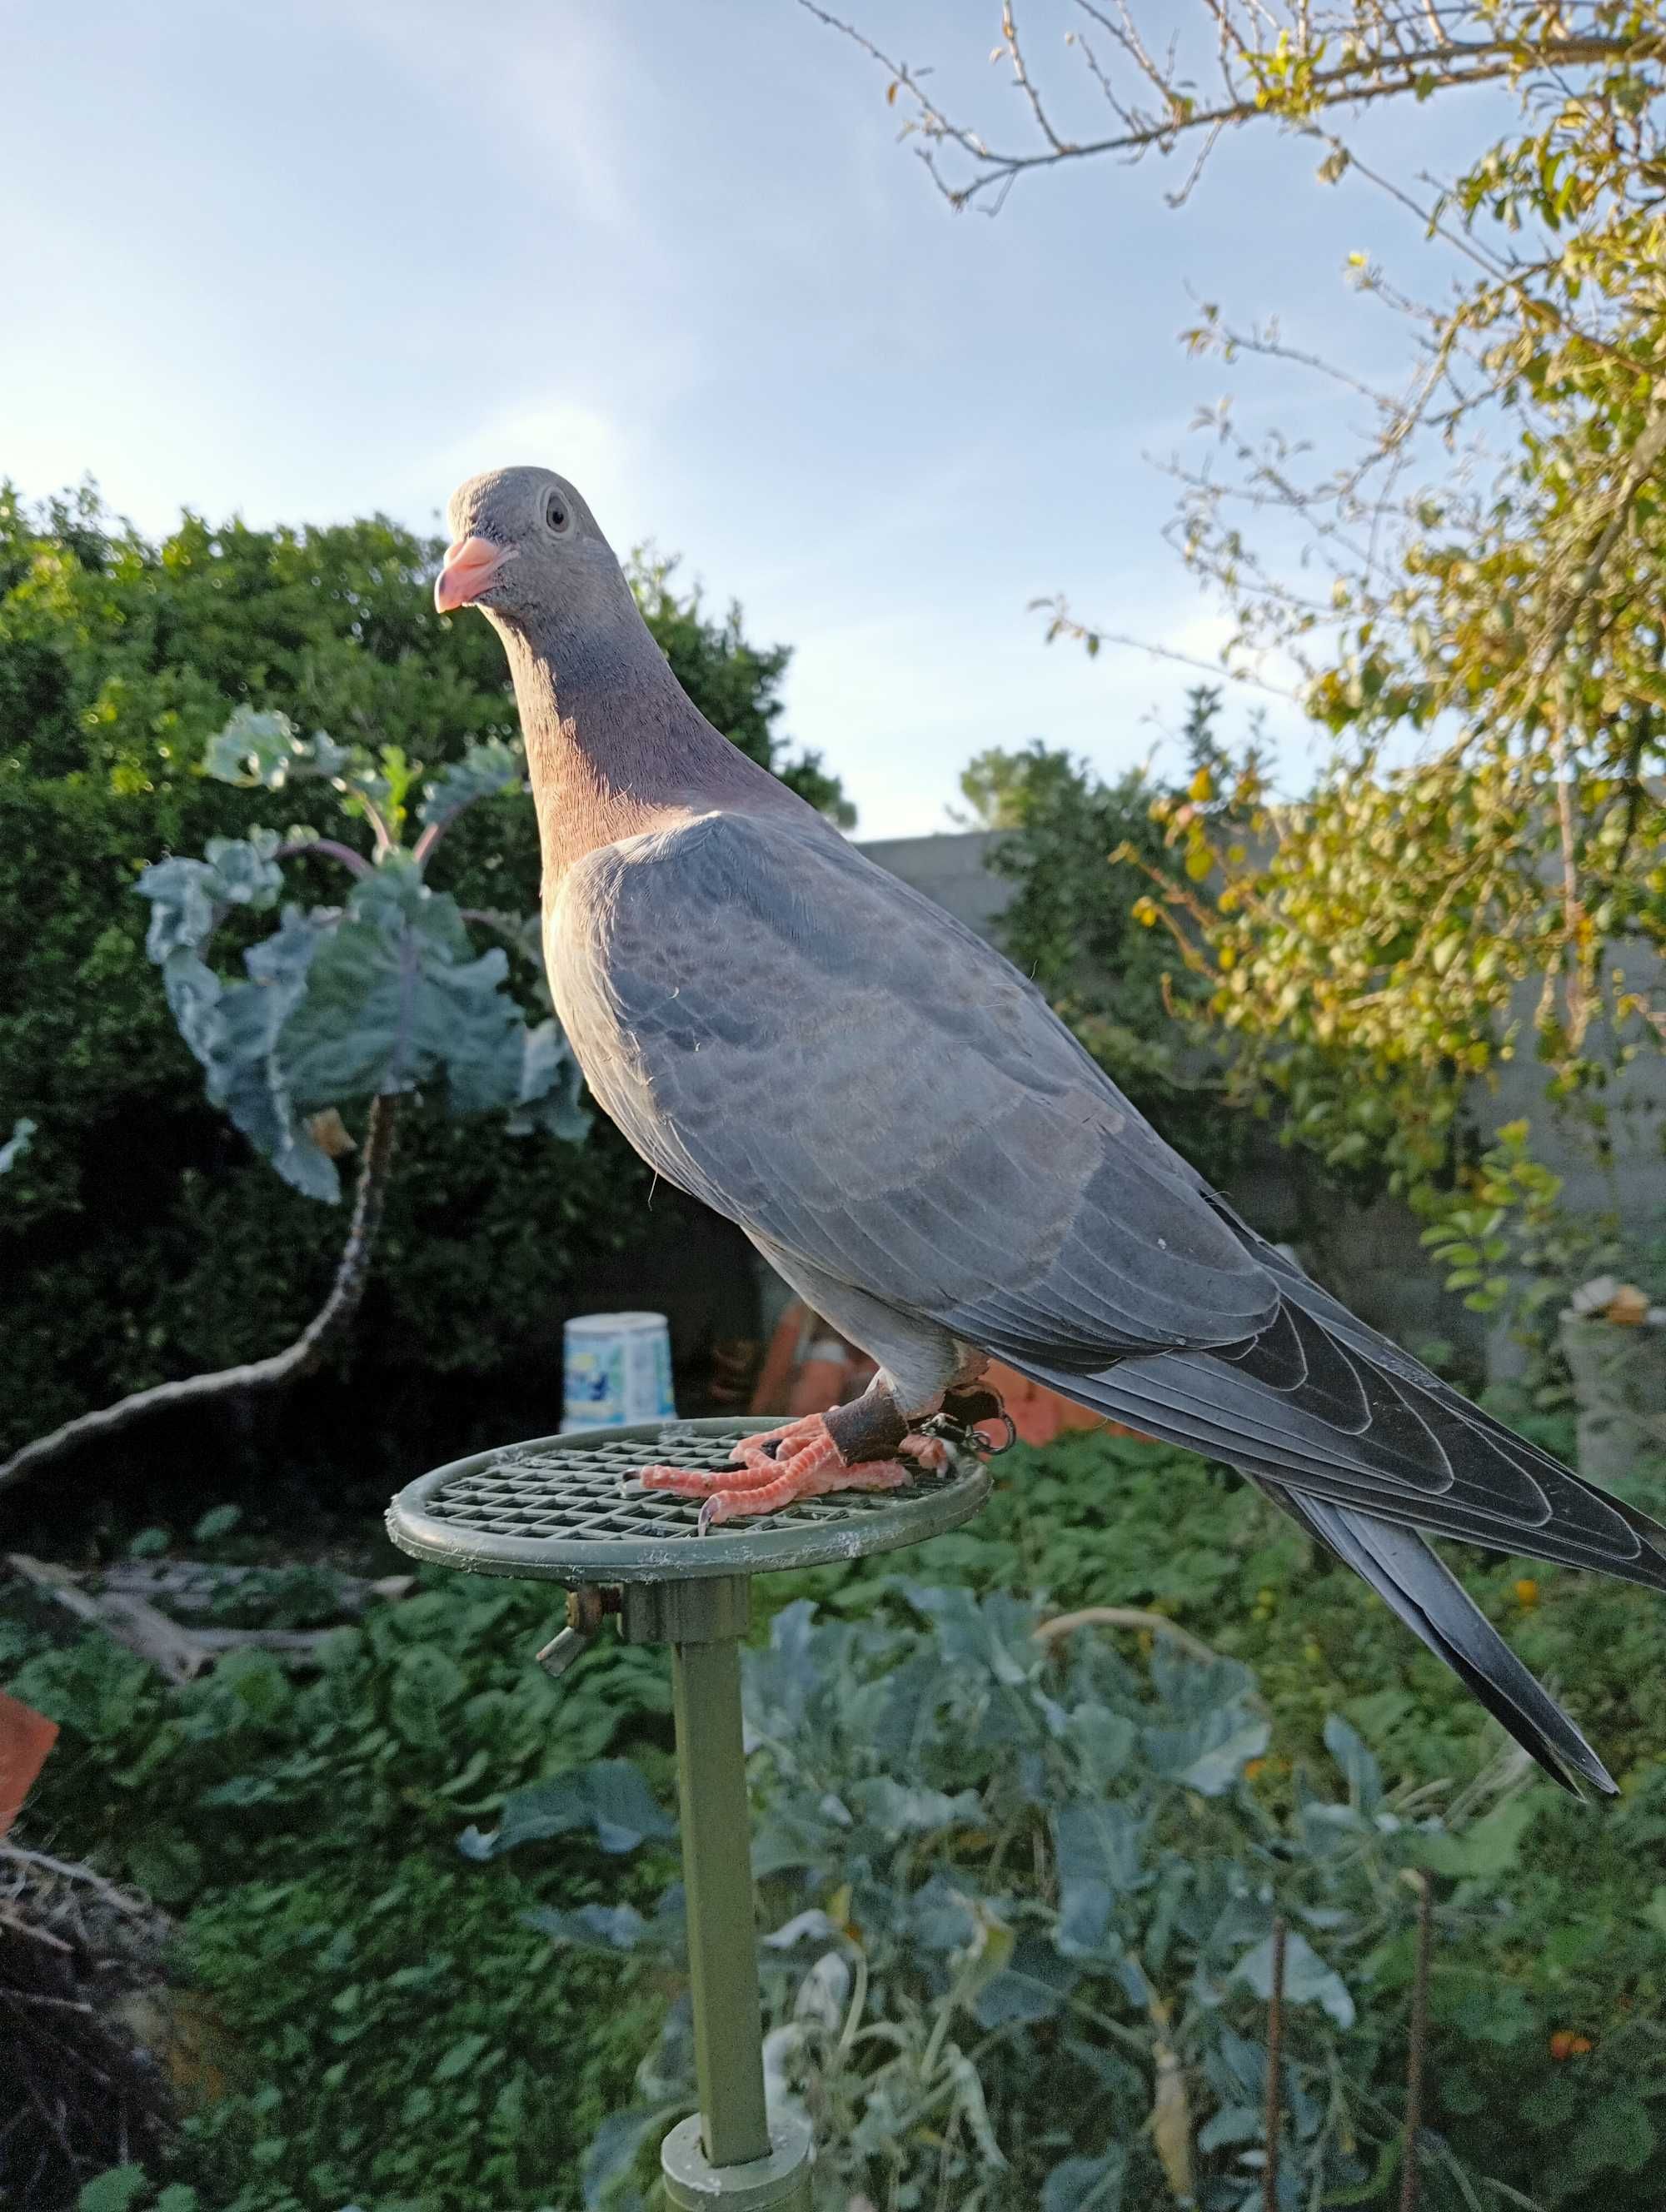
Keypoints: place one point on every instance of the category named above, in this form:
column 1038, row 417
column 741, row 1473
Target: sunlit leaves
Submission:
column 396, row 996
column 483, row 771
column 267, row 752
column 189, row 898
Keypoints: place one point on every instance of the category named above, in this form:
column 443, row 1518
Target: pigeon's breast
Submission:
column 578, row 945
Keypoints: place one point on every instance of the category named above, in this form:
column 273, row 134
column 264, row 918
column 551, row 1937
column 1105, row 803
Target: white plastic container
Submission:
column 617, row 1369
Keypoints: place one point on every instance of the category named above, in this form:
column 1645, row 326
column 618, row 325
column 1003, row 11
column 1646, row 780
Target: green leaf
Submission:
column 1210, row 1754
column 615, row 1927
column 551, row 1087
column 992, row 1634
column 165, row 1864
column 1364, row 1777
column 264, row 750
column 115, row 2191
column 219, row 1520
column 483, row 771
column 1098, row 1847
column 1087, row 2185
column 459, row 2058
column 1488, row 1847
column 1618, row 2132
column 1232, row 2124
column 972, row 2105
column 1307, row 1979
column 428, row 1683
column 394, row 998
column 1032, row 1986
column 609, row 1798
column 897, row 1810
column 614, row 2149
column 187, row 896
column 232, row 1029
column 16, row 1145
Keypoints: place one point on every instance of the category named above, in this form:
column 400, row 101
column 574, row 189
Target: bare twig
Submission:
column 1367, row 77
column 1125, row 1616
column 299, row 1358
column 84, row 1876
column 172, row 1650
column 1275, row 2068
column 1419, row 2036
column 1065, row 624
column 331, row 848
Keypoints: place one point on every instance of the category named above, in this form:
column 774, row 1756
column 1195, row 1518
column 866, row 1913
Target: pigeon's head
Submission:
column 526, row 550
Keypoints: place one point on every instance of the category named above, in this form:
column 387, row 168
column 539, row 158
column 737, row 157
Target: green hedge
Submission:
column 140, row 1238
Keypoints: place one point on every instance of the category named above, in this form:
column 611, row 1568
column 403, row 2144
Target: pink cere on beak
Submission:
column 470, row 567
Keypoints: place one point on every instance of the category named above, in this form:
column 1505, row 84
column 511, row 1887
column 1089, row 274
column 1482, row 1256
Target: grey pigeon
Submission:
column 908, row 1134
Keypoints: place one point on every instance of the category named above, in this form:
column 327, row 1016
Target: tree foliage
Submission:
column 123, row 663
column 1072, row 923
column 1475, row 582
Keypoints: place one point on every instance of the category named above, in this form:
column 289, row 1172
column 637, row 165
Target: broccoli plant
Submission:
column 349, row 1006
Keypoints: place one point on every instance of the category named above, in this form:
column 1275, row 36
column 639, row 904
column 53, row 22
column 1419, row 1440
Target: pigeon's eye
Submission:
column 558, row 519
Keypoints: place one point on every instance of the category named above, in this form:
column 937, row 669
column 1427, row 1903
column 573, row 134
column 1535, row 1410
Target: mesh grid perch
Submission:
column 565, row 1509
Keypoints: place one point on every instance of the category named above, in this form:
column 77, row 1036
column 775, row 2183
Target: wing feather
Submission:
column 812, row 1047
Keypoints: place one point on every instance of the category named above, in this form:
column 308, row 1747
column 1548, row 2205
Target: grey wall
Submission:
column 950, row 870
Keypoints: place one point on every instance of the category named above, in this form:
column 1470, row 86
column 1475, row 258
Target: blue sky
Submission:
column 302, row 261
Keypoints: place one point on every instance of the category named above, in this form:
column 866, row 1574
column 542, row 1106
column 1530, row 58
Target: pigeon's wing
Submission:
column 808, row 1045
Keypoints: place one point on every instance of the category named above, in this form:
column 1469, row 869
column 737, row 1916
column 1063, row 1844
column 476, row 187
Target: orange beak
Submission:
column 470, row 567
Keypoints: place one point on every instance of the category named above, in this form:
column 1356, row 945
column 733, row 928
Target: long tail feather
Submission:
column 1406, row 1574
column 1364, row 1446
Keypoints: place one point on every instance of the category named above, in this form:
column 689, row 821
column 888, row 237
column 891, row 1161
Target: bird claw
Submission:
column 797, row 1460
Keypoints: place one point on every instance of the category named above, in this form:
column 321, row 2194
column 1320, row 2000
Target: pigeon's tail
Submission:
column 1365, row 1446
column 1402, row 1570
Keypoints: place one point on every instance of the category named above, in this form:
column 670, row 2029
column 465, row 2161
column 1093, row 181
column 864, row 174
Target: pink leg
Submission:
column 809, row 1466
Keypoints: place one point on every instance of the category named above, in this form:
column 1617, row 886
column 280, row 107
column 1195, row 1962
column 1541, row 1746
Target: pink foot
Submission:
column 806, row 1465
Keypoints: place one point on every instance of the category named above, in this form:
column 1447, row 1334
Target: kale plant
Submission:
column 340, row 1007
column 1034, row 1969
column 369, row 1000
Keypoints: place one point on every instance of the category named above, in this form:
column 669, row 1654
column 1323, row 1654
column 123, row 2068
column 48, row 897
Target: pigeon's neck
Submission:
column 615, row 746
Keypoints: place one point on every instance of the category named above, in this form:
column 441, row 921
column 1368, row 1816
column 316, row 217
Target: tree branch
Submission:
column 332, row 848
column 299, row 1358
column 1125, row 1616
column 1359, row 81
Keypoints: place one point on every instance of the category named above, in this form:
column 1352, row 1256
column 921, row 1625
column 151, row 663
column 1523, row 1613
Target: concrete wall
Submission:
column 950, row 870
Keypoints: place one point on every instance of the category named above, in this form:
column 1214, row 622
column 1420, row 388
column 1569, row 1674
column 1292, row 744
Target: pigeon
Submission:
column 913, row 1140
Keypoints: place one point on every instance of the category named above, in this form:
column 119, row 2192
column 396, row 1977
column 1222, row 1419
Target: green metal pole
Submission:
column 727, row 2154
column 717, row 1875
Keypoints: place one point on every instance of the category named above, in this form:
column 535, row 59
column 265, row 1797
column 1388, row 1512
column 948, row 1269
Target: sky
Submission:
column 302, row 261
